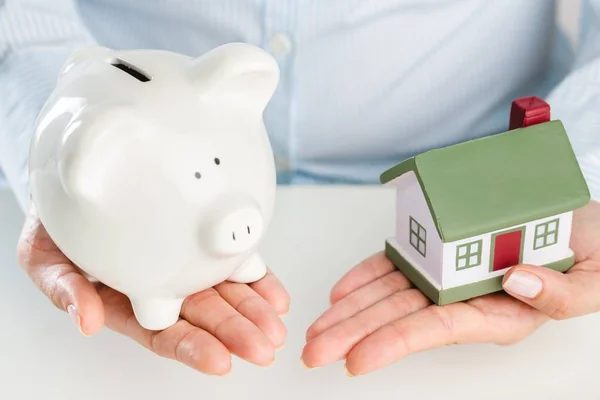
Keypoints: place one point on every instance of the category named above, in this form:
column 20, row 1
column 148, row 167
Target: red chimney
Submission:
column 528, row 111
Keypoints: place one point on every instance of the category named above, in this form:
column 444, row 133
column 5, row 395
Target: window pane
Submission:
column 552, row 226
column 541, row 229
column 413, row 226
column 462, row 250
column 539, row 242
column 551, row 239
column 462, row 262
column 413, row 239
column 473, row 261
column 474, row 247
column 421, row 247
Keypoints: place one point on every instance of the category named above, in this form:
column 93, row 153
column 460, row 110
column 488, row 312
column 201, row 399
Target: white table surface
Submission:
column 317, row 234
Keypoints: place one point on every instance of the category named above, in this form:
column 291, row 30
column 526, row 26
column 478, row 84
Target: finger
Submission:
column 72, row 292
column 255, row 308
column 367, row 271
column 434, row 327
column 182, row 342
column 556, row 294
column 358, row 301
column 273, row 291
column 333, row 344
column 58, row 279
column 209, row 311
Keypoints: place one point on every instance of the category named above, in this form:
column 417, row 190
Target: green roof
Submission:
column 498, row 181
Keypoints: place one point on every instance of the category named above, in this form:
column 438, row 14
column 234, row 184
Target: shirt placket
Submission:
column 279, row 27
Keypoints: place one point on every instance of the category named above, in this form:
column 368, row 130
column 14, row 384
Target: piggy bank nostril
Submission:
column 234, row 230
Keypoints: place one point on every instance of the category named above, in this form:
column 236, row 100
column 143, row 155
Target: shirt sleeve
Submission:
column 576, row 100
column 36, row 38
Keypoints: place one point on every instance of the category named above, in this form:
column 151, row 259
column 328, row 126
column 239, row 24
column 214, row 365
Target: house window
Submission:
column 468, row 255
column 418, row 236
column 546, row 234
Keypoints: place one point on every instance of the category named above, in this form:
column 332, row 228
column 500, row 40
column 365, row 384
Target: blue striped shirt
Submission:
column 364, row 84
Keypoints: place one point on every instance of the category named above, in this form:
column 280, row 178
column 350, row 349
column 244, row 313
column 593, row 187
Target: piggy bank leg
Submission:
column 156, row 314
column 252, row 270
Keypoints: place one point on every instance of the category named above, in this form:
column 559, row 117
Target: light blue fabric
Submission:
column 365, row 84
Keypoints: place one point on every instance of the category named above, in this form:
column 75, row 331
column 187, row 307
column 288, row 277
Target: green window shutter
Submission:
column 468, row 255
column 417, row 236
column 546, row 234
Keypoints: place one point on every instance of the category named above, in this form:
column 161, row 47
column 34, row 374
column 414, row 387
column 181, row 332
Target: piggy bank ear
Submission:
column 236, row 74
column 92, row 147
column 80, row 56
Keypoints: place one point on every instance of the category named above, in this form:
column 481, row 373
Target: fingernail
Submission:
column 226, row 373
column 75, row 317
column 523, row 284
column 304, row 364
column 270, row 364
column 221, row 374
column 348, row 372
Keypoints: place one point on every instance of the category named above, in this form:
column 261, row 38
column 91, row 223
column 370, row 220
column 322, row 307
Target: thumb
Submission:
column 558, row 295
column 72, row 292
column 58, row 278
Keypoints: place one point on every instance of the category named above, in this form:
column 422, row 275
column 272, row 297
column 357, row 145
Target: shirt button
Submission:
column 281, row 44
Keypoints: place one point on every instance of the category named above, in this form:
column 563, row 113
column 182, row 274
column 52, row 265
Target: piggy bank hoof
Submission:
column 252, row 270
column 157, row 314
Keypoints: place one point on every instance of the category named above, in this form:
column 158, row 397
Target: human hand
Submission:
column 377, row 317
column 230, row 318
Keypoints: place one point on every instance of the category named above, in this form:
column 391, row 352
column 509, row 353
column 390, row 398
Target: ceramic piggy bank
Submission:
column 153, row 172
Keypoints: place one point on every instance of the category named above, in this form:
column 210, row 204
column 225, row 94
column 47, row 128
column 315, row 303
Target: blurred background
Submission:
column 567, row 17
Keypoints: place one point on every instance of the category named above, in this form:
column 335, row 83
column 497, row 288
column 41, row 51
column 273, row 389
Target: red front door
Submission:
column 507, row 249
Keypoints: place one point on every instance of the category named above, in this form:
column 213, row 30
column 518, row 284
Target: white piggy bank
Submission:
column 153, row 171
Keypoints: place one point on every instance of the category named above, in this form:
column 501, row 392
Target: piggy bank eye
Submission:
column 197, row 175
column 217, row 161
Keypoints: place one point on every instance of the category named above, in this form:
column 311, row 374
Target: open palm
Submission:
column 377, row 317
column 231, row 318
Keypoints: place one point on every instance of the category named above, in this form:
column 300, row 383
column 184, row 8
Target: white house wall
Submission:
column 559, row 251
column 410, row 202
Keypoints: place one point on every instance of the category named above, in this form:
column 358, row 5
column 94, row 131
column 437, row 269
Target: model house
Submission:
column 467, row 213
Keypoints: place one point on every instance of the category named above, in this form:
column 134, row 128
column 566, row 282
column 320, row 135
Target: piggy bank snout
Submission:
column 238, row 231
